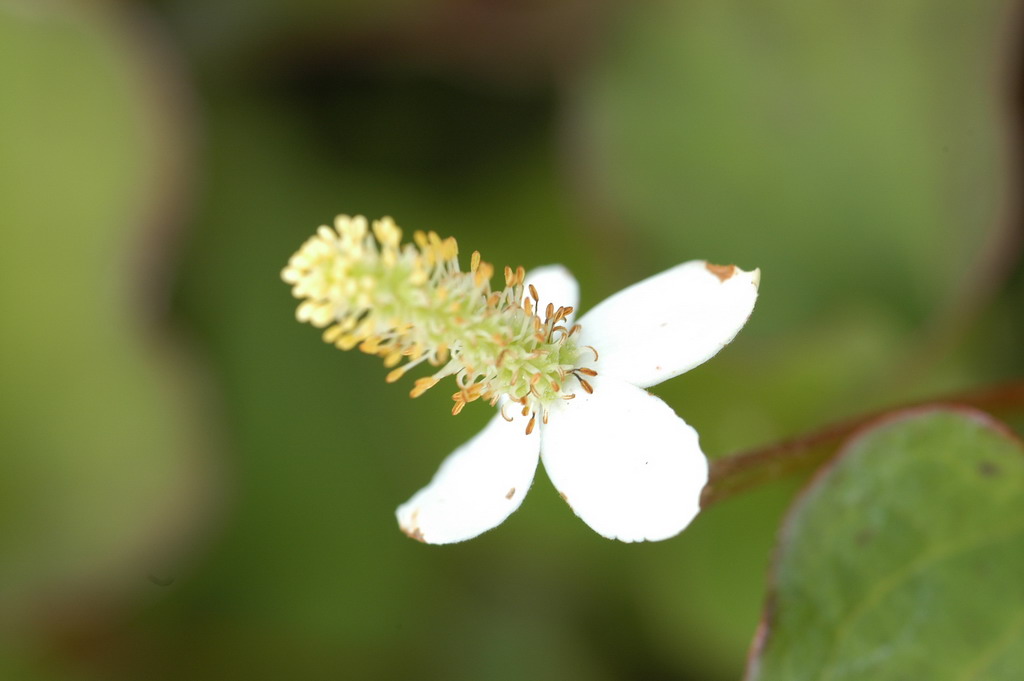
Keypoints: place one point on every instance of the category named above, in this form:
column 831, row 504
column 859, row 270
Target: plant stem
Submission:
column 733, row 474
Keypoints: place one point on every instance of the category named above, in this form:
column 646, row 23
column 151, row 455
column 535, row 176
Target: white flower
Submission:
column 620, row 457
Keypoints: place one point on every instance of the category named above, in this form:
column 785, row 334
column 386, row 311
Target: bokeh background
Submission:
column 194, row 486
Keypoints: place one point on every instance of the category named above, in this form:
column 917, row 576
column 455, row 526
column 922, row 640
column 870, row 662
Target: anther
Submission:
column 531, row 424
column 586, row 371
column 586, row 386
column 482, row 273
column 422, row 385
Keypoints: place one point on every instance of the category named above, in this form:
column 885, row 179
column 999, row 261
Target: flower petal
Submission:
column 477, row 486
column 671, row 322
column 625, row 463
column 555, row 285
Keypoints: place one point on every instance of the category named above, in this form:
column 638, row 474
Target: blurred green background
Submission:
column 194, row 486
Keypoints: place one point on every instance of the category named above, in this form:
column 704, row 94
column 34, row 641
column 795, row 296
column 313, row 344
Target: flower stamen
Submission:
column 411, row 302
column 531, row 424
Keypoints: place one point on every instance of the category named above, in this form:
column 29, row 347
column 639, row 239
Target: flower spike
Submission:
column 370, row 291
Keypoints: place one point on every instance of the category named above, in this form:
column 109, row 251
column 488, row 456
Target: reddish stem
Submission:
column 733, row 474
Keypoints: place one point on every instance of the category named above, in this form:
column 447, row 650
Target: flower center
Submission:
column 411, row 302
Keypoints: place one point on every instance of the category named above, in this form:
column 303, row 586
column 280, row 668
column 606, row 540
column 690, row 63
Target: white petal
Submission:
column 555, row 285
column 625, row 463
column 477, row 486
column 671, row 322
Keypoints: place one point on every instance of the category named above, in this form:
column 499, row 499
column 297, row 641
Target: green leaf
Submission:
column 903, row 559
column 858, row 148
column 103, row 458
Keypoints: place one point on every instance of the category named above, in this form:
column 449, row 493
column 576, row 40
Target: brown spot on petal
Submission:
column 511, row 492
column 564, row 498
column 723, row 272
column 414, row 531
